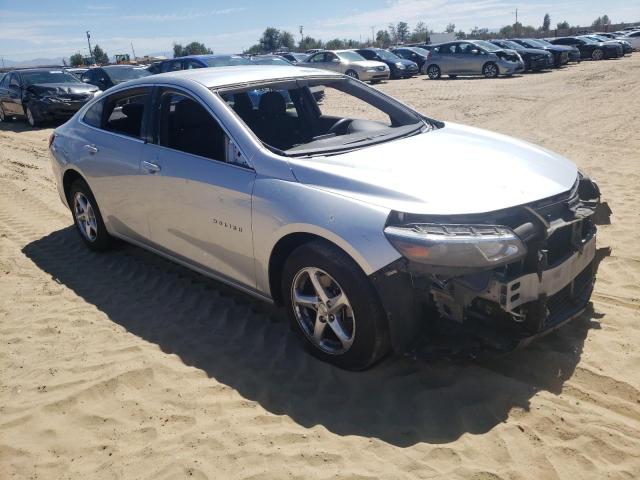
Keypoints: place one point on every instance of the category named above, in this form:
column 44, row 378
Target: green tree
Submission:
column 193, row 48
column 420, row 33
column 100, row 55
column 307, row 43
column 270, row 39
column 450, row 28
column 383, row 39
column 564, row 25
column 605, row 20
column 461, row 35
column 402, row 32
column 286, row 40
column 335, row 44
column 393, row 36
column 76, row 59
column 507, row 31
column 546, row 23
column 597, row 22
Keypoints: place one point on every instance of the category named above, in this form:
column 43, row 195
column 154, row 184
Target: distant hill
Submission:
column 32, row 63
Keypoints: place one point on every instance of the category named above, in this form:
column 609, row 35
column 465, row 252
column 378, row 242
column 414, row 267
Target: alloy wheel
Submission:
column 490, row 70
column 434, row 72
column 352, row 74
column 323, row 311
column 85, row 217
column 597, row 54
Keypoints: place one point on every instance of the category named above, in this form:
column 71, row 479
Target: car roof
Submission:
column 32, row 70
column 216, row 77
column 113, row 67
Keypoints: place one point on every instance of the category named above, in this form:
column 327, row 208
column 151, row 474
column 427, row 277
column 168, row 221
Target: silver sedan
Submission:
column 364, row 218
column 350, row 63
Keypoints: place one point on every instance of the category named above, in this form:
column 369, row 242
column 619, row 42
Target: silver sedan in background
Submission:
column 472, row 57
column 364, row 218
column 350, row 63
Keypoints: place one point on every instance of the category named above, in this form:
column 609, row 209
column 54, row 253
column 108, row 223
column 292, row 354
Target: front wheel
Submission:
column 597, row 54
column 352, row 74
column 334, row 307
column 490, row 70
column 434, row 72
column 32, row 119
column 87, row 217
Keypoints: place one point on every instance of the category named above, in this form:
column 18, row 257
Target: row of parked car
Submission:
column 42, row 94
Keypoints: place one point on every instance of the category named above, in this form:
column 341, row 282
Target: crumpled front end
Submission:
column 547, row 280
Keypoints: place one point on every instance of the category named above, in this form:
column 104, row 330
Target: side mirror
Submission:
column 85, row 80
column 336, row 60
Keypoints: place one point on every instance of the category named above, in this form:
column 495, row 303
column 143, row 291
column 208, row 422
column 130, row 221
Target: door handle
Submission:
column 150, row 167
column 92, row 149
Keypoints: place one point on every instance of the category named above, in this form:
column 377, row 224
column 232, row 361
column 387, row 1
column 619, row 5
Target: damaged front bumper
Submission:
column 519, row 301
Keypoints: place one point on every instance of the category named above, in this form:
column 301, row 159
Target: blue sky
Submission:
column 47, row 29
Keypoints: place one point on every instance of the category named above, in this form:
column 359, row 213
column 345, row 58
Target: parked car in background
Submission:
column 294, row 57
column 350, row 63
column 418, row 55
column 590, row 48
column 633, row 37
column 534, row 59
column 40, row 94
column 342, row 219
column 110, row 75
column 269, row 60
column 77, row 71
column 561, row 54
column 200, row 61
column 626, row 46
column 398, row 66
column 474, row 57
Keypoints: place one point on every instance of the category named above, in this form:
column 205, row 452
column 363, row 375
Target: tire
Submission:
column 597, row 54
column 434, row 72
column 31, row 117
column 453, row 76
column 87, row 217
column 352, row 74
column 361, row 320
column 490, row 70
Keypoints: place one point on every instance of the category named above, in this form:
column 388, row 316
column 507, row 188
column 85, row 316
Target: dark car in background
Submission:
column 200, row 61
column 626, row 46
column 293, row 57
column 399, row 67
column 416, row 54
column 40, row 94
column 275, row 60
column 560, row 53
column 590, row 48
column 574, row 53
column 110, row 75
column 535, row 59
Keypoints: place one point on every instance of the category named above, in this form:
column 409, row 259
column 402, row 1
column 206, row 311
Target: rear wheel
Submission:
column 490, row 70
column 434, row 72
column 453, row 76
column 87, row 217
column 352, row 74
column 597, row 54
column 334, row 307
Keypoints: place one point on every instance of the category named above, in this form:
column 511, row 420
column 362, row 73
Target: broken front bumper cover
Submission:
column 519, row 301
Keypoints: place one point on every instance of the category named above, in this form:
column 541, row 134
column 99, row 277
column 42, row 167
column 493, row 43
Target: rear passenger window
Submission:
column 93, row 115
column 187, row 126
column 124, row 112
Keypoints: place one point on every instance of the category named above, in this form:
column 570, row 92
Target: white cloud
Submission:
column 182, row 15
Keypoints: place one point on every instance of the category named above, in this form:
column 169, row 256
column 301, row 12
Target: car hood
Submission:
column 560, row 48
column 452, row 170
column 532, row 51
column 61, row 88
column 403, row 61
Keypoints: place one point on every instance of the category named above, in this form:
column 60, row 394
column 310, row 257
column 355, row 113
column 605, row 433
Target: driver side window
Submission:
column 318, row 58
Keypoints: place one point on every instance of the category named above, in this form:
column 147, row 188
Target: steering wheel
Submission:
column 343, row 123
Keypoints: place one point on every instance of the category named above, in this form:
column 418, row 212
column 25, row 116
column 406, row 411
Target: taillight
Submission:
column 52, row 137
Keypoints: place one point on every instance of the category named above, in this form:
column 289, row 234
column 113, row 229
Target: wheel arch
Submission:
column 68, row 177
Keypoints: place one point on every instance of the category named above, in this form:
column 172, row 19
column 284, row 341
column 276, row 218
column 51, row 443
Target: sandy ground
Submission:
column 125, row 366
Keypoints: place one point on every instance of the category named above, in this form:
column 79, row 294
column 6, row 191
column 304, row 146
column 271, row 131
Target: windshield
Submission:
column 534, row 43
column 270, row 60
column 542, row 43
column 299, row 56
column 420, row 51
column 350, row 56
column 119, row 75
column 587, row 40
column 303, row 117
column 226, row 61
column 51, row 76
column 386, row 55
column 511, row 45
column 490, row 47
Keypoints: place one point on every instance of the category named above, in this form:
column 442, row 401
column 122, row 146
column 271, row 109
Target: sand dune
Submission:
column 123, row 365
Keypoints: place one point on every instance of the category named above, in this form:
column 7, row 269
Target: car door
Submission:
column 333, row 62
column 198, row 189
column 108, row 152
column 12, row 103
column 446, row 59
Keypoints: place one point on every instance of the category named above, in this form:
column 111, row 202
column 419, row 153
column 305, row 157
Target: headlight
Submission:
column 401, row 66
column 457, row 245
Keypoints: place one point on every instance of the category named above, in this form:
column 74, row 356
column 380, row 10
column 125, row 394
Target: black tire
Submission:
column 32, row 118
column 352, row 74
column 102, row 240
column 453, row 76
column 434, row 72
column 370, row 329
column 597, row 54
column 490, row 70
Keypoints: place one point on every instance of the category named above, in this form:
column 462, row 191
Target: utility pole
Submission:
column 373, row 38
column 302, row 33
column 89, row 42
column 134, row 52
